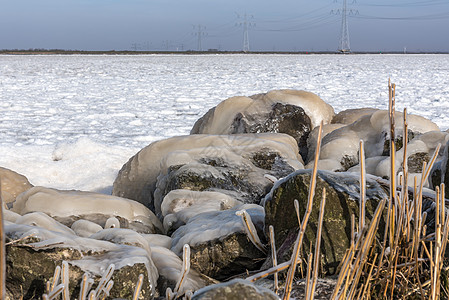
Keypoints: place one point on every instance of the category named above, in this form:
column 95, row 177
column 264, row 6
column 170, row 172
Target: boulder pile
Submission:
column 216, row 190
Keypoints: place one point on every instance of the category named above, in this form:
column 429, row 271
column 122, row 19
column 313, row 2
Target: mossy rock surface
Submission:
column 28, row 271
column 342, row 191
column 226, row 257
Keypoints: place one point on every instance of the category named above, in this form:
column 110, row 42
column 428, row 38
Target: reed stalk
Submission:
column 274, row 257
column 2, row 250
column 317, row 257
column 297, row 248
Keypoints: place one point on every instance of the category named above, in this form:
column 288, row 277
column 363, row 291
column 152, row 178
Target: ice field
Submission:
column 71, row 122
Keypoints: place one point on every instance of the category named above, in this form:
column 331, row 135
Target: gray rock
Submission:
column 236, row 163
column 218, row 243
column 237, row 289
column 28, row 271
column 342, row 193
column 12, row 184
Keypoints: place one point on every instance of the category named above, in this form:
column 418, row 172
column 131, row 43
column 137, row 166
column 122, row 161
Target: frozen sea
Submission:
column 71, row 122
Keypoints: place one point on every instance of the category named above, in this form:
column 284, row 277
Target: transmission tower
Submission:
column 200, row 34
column 344, row 46
column 246, row 24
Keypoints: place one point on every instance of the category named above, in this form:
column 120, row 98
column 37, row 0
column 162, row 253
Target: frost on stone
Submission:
column 211, row 226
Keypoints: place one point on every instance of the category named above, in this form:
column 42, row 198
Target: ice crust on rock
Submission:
column 210, row 226
column 219, row 119
column 179, row 205
column 98, row 254
column 137, row 178
column 85, row 228
column 167, row 263
column 340, row 147
column 69, row 203
column 42, row 220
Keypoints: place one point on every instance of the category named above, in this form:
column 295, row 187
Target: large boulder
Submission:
column 440, row 171
column 12, row 184
column 220, row 248
column 340, row 147
column 236, row 289
column 31, row 263
column 286, row 111
column 70, row 206
column 341, row 202
column 180, row 205
column 236, row 163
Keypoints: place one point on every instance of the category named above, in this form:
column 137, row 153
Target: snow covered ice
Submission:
column 71, row 122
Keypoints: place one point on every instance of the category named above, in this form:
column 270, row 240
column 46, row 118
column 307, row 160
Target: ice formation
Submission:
column 209, row 226
column 169, row 266
column 137, row 178
column 103, row 253
column 340, row 147
column 42, row 220
column 85, row 228
column 70, row 203
column 167, row 263
column 179, row 206
column 219, row 120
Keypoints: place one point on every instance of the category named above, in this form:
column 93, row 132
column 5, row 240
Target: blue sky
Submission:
column 313, row 25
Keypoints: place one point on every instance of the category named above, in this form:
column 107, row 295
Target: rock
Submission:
column 68, row 206
column 29, row 269
column 349, row 116
column 236, row 289
column 207, row 162
column 440, row 171
column 180, row 205
column 286, row 111
column 219, row 245
column 323, row 291
column 340, row 147
column 342, row 193
column 12, row 184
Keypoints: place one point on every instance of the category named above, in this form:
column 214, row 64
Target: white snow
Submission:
column 71, row 122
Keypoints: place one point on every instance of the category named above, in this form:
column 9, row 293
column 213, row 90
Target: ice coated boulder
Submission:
column 12, row 184
column 236, row 289
column 219, row 245
column 340, row 147
column 235, row 163
column 287, row 111
column 31, row 263
column 70, row 205
column 342, row 193
column 179, row 206
column 342, row 200
column 168, row 264
column 440, row 171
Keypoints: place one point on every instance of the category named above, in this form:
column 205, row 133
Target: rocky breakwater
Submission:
column 217, row 191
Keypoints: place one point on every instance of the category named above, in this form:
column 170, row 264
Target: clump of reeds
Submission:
column 402, row 262
column 408, row 261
